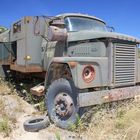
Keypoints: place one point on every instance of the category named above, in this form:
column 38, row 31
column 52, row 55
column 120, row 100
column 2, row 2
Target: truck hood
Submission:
column 83, row 35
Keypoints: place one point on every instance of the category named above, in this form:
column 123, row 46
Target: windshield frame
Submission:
column 84, row 17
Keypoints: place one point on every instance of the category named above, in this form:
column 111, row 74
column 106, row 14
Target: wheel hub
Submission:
column 63, row 105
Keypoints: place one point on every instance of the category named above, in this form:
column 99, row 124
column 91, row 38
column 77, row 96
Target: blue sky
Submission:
column 124, row 15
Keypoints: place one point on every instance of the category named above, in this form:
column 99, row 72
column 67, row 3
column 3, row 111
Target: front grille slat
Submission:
column 124, row 64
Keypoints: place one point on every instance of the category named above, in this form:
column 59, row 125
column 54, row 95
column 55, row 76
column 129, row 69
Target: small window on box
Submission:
column 17, row 27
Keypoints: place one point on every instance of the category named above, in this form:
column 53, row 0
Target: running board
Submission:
column 104, row 96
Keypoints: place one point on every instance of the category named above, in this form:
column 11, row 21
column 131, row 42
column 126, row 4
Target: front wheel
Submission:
column 61, row 102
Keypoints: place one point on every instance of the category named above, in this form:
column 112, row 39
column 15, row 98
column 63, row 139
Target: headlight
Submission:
column 88, row 74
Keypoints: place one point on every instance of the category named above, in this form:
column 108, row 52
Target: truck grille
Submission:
column 124, row 68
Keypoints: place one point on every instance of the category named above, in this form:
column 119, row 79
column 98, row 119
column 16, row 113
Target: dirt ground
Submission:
column 17, row 111
column 113, row 121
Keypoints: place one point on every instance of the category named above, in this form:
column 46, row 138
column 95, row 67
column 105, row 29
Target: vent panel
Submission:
column 124, row 64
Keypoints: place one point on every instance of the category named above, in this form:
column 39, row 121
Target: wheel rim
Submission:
column 64, row 106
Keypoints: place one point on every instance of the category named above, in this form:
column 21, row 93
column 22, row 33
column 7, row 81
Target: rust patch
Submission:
column 26, row 69
column 120, row 94
column 104, row 96
column 72, row 64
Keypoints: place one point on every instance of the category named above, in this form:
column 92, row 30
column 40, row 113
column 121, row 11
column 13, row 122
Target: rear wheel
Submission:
column 61, row 102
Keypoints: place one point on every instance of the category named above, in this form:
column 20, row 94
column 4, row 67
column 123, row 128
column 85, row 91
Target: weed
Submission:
column 29, row 98
column 5, row 127
column 2, row 108
column 57, row 135
column 79, row 126
column 121, row 113
column 42, row 107
column 73, row 127
column 1, row 104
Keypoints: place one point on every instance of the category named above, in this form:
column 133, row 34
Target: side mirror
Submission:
column 110, row 29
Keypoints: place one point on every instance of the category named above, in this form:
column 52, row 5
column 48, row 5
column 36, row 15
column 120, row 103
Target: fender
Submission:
column 77, row 65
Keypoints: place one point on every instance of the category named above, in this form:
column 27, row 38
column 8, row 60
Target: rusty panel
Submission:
column 99, row 97
column 26, row 69
column 100, row 65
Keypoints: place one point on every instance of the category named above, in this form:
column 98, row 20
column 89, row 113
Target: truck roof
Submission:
column 80, row 15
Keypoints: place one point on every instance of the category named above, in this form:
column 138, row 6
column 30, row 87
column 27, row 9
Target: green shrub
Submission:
column 5, row 127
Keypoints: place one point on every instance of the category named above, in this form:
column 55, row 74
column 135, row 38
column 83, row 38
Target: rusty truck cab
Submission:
column 96, row 66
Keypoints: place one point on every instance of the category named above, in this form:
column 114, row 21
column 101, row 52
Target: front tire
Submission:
column 61, row 102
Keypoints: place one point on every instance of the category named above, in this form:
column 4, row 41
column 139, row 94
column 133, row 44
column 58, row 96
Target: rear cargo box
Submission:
column 27, row 35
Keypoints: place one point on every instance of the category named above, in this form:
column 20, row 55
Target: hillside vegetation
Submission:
column 2, row 29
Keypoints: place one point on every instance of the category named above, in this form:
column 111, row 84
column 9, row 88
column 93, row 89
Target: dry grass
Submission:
column 121, row 122
column 9, row 106
column 5, row 126
column 4, row 88
column 113, row 121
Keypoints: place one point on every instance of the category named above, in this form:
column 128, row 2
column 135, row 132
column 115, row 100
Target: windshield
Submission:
column 83, row 23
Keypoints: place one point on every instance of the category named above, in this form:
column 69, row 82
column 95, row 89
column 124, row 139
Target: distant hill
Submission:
column 2, row 29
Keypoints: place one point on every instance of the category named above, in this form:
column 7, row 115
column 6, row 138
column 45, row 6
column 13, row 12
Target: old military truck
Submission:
column 83, row 63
